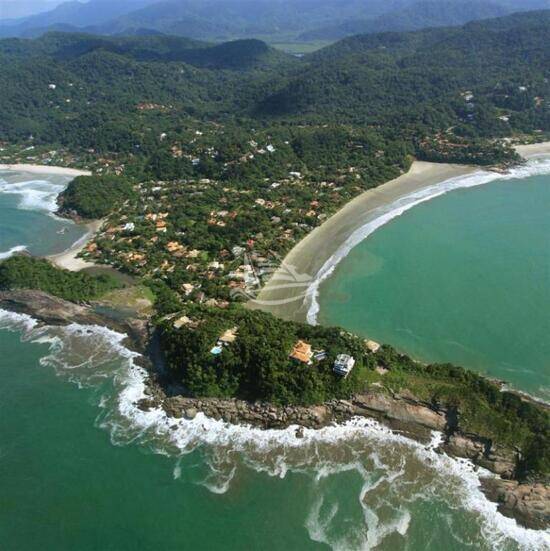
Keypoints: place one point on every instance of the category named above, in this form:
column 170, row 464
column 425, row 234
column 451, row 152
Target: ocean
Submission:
column 81, row 467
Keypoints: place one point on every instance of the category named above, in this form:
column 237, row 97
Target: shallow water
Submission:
column 81, row 467
column 463, row 278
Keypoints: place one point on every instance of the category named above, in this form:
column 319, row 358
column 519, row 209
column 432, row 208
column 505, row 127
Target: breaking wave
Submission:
column 385, row 214
column 40, row 195
column 13, row 250
column 395, row 477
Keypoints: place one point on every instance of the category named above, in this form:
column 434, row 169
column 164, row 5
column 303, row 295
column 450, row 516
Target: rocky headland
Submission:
column 528, row 503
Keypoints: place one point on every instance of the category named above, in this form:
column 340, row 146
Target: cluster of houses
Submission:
column 301, row 352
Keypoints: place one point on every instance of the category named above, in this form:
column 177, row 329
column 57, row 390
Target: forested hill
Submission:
column 419, row 76
column 272, row 20
column 65, row 47
column 420, row 15
column 485, row 79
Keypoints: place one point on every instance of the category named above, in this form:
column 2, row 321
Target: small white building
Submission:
column 343, row 365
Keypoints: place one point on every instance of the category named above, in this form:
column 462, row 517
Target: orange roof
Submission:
column 302, row 352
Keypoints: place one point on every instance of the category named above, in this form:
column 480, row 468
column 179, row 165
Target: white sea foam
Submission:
column 91, row 354
column 40, row 195
column 12, row 251
column 385, row 214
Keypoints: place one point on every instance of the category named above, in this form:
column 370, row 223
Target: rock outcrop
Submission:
column 529, row 504
column 52, row 310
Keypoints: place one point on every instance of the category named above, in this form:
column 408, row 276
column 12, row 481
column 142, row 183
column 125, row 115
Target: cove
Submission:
column 463, row 278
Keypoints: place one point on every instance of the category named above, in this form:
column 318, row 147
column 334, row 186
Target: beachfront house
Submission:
column 344, row 364
column 228, row 336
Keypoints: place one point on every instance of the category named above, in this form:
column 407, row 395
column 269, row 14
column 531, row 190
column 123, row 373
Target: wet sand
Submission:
column 307, row 258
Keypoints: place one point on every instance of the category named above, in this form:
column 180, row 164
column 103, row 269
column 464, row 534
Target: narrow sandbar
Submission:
column 308, row 257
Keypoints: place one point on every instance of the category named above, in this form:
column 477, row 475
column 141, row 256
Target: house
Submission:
column 183, row 322
column 319, row 355
column 343, row 365
column 302, row 352
column 174, row 246
column 187, row 288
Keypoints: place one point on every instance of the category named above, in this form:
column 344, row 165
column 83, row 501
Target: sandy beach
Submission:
column 306, row 259
column 43, row 169
column 310, row 254
column 68, row 259
column 533, row 150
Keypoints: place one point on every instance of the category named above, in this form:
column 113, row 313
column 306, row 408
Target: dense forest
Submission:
column 94, row 197
column 85, row 92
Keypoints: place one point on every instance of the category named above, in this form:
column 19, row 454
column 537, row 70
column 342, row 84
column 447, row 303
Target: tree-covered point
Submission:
column 95, row 196
column 257, row 366
column 23, row 272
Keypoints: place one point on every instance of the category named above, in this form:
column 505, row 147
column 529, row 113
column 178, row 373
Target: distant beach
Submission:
column 43, row 169
column 69, row 259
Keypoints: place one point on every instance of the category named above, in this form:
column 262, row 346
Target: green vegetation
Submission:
column 214, row 161
column 257, row 365
column 95, row 196
column 22, row 272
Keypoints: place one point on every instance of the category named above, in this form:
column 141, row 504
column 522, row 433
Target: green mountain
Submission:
column 420, row 15
column 272, row 20
column 417, row 77
column 405, row 84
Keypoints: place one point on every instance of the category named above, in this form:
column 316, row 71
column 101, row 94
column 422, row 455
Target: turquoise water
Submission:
column 82, row 468
column 26, row 220
column 463, row 278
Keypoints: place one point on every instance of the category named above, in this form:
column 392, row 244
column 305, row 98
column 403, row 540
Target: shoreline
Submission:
column 308, row 257
column 312, row 259
column 45, row 169
column 68, row 259
column 402, row 415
